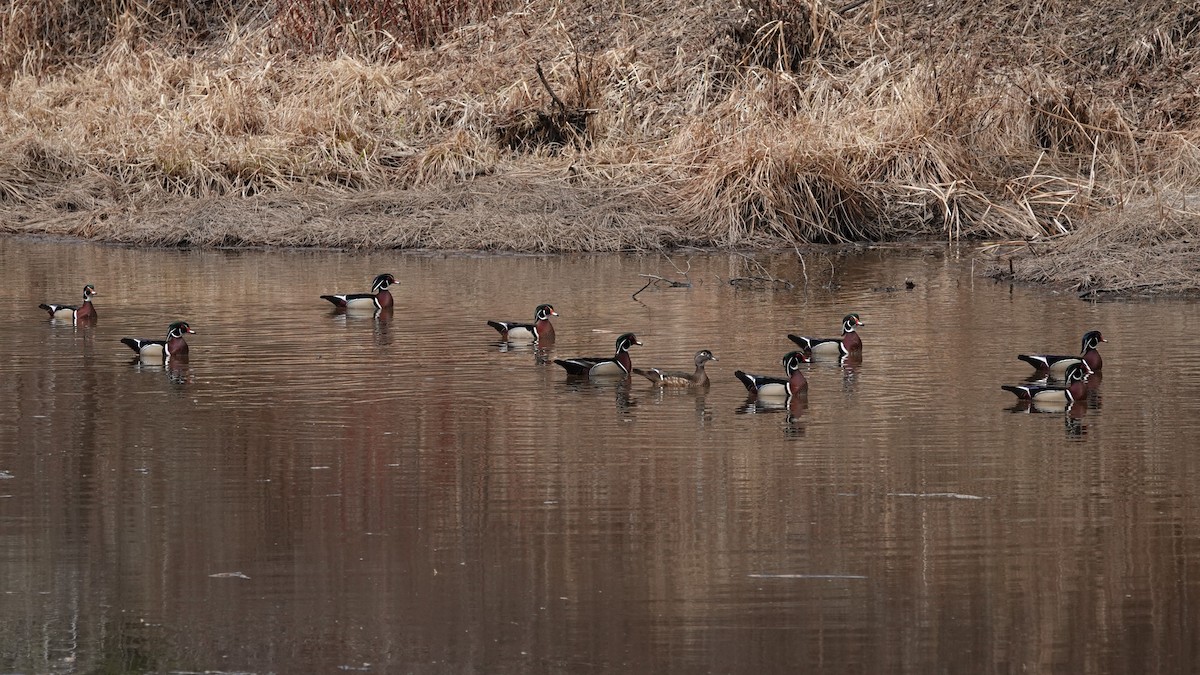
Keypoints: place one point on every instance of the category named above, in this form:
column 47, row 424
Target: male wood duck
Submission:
column 541, row 330
column 618, row 365
column 174, row 347
column 84, row 312
column 378, row 299
column 674, row 378
column 849, row 343
column 778, row 388
column 1057, row 365
column 1076, row 389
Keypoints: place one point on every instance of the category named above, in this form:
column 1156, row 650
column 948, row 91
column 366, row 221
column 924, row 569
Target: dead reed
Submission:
column 1148, row 248
column 580, row 125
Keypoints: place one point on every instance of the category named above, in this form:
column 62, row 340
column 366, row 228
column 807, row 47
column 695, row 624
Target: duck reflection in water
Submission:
column 701, row 410
column 1075, row 428
column 1073, row 415
column 542, row 354
column 795, row 425
column 177, row 370
column 379, row 318
column 380, row 315
column 793, row 409
column 625, row 400
column 383, row 319
column 1094, row 399
column 1075, row 409
column 1071, row 402
column 621, row 389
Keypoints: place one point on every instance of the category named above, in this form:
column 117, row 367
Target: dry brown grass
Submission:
column 1150, row 247
column 409, row 123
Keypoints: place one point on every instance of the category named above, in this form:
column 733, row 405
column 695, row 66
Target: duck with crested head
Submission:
column 1057, row 365
column 540, row 331
column 848, row 344
column 380, row 298
column 74, row 313
column 618, row 365
column 1074, row 391
column 670, row 378
column 779, row 388
column 174, row 347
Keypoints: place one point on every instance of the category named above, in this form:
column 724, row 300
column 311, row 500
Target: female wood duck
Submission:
column 174, row 347
column 541, row 330
column 378, row 299
column 668, row 378
column 619, row 365
column 1076, row 389
column 849, row 343
column 766, row 387
column 84, row 312
column 1057, row 365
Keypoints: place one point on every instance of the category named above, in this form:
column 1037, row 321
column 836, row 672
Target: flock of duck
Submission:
column 174, row 347
column 1062, row 379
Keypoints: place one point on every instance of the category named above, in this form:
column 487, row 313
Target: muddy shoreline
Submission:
column 1136, row 253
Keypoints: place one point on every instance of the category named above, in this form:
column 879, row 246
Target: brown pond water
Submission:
column 321, row 493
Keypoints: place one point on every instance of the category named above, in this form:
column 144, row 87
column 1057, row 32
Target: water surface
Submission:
column 315, row 492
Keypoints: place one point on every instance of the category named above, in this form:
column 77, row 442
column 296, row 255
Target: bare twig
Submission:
column 545, row 83
column 684, row 272
column 655, row 279
column 767, row 279
column 852, row 6
column 803, row 265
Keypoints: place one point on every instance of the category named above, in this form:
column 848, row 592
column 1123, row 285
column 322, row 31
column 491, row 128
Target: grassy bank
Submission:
column 412, row 123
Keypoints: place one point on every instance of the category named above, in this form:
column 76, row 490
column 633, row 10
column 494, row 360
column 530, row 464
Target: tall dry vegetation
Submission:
column 587, row 125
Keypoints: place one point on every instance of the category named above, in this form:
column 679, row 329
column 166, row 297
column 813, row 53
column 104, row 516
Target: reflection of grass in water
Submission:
column 128, row 648
column 331, row 122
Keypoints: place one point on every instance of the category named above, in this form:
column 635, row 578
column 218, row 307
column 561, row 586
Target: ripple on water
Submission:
column 387, row 482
